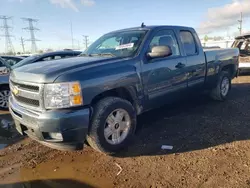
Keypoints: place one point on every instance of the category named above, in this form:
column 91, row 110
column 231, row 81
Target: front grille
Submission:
column 27, row 94
column 26, row 87
column 27, row 101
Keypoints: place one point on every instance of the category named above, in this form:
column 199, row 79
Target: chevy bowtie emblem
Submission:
column 15, row 91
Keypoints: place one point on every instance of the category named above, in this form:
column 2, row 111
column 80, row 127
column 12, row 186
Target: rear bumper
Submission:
column 243, row 66
column 72, row 125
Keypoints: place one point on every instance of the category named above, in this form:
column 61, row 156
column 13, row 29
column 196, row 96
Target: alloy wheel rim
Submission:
column 117, row 126
column 225, row 86
column 4, row 98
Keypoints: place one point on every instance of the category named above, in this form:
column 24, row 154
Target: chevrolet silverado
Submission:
column 96, row 97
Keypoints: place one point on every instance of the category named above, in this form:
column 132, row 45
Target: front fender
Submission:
column 99, row 79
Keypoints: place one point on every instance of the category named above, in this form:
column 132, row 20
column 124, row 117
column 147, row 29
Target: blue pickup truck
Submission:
column 96, row 97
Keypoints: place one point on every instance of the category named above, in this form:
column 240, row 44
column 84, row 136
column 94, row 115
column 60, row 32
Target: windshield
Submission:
column 25, row 61
column 117, row 44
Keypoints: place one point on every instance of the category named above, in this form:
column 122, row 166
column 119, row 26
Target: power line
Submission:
column 22, row 44
column 9, row 48
column 86, row 41
column 240, row 22
column 32, row 30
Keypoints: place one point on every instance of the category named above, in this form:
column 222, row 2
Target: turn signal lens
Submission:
column 76, row 88
column 76, row 100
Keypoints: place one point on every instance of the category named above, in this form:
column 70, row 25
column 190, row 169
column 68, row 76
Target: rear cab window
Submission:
column 188, row 42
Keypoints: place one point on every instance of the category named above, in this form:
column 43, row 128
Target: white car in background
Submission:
column 243, row 43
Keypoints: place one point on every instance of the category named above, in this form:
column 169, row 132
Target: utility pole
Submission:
column 32, row 30
column 8, row 44
column 240, row 22
column 22, row 44
column 86, row 41
column 78, row 42
column 72, row 37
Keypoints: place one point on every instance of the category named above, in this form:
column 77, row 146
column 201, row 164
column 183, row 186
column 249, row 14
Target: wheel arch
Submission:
column 230, row 69
column 127, row 93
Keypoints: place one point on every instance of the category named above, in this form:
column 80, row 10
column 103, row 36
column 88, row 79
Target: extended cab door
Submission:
column 196, row 64
column 164, row 78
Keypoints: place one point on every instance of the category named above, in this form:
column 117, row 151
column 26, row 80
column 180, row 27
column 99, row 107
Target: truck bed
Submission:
column 217, row 58
column 221, row 54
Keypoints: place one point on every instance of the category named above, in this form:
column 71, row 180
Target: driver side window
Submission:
column 166, row 38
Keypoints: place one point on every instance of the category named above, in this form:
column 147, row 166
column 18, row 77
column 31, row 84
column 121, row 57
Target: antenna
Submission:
column 32, row 30
column 8, row 44
column 142, row 24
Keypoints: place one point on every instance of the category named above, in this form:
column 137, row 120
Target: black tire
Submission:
column 102, row 110
column 216, row 93
column 3, row 90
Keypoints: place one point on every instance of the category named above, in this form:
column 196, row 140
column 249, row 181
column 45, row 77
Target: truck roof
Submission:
column 151, row 27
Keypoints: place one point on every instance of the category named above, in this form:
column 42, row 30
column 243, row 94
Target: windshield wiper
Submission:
column 84, row 55
column 103, row 54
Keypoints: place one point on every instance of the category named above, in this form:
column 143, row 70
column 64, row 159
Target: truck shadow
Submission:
column 60, row 183
column 196, row 124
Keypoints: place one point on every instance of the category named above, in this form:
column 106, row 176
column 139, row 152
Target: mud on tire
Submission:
column 217, row 93
column 102, row 110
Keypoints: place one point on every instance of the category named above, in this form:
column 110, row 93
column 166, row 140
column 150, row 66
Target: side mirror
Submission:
column 160, row 51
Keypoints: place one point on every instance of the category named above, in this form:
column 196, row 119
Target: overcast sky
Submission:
column 96, row 17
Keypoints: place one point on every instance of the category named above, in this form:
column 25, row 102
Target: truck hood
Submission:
column 48, row 71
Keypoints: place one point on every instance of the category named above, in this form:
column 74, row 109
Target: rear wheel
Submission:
column 4, row 97
column 221, row 91
column 112, row 125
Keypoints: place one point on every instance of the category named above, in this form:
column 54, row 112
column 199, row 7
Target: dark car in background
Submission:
column 6, row 66
column 4, row 83
column 47, row 57
column 12, row 60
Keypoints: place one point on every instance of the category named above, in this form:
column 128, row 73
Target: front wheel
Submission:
column 112, row 125
column 221, row 91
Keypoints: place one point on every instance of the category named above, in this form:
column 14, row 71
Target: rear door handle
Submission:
column 179, row 65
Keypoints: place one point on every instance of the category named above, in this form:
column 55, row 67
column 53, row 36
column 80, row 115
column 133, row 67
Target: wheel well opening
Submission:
column 118, row 92
column 230, row 69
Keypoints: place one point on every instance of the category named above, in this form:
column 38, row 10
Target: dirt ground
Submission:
column 211, row 148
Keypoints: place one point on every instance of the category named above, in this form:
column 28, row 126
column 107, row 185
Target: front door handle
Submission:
column 179, row 65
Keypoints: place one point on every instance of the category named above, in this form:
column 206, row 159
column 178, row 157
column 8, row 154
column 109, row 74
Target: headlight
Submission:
column 62, row 95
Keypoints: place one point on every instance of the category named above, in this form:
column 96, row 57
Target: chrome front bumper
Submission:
column 72, row 124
